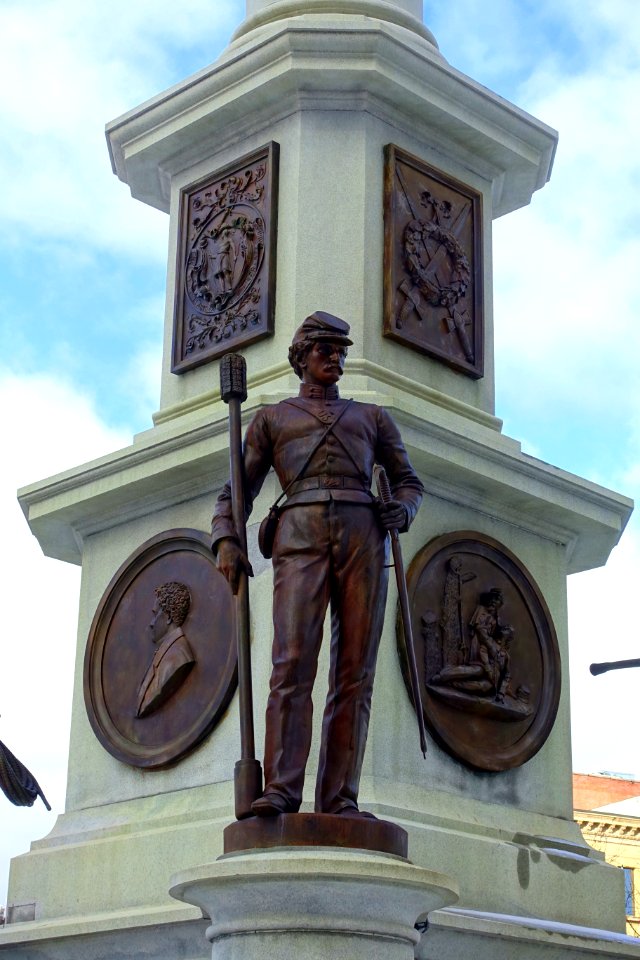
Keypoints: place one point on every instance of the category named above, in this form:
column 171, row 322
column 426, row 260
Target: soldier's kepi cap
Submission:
column 323, row 326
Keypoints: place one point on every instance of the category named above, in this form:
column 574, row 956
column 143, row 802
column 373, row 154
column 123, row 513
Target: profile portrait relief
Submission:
column 173, row 659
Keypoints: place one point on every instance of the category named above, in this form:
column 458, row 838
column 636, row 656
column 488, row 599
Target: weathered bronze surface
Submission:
column 488, row 649
column 225, row 270
column 330, row 549
column 316, row 830
column 173, row 658
column 247, row 774
column 160, row 662
column 433, row 263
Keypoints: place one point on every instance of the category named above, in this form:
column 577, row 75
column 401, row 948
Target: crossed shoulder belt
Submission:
column 325, row 433
column 267, row 532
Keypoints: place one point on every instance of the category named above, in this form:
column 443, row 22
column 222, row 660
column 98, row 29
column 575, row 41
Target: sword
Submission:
column 384, row 492
column 247, row 774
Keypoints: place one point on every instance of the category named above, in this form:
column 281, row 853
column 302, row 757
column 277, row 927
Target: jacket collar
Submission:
column 311, row 391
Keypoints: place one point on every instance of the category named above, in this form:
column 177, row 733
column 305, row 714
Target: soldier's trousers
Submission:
column 330, row 553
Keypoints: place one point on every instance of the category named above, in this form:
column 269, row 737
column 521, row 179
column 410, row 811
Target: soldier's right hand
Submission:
column 232, row 561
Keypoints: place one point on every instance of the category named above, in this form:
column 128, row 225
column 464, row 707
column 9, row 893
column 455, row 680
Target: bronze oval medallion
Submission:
column 160, row 664
column 486, row 650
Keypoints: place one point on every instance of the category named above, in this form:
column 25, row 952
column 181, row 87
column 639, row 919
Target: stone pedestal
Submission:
column 313, row 903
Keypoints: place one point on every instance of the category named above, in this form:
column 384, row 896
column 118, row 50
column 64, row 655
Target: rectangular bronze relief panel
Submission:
column 433, row 263
column 225, row 271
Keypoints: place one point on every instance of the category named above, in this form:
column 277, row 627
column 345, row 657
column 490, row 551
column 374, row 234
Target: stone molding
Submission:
column 323, row 61
column 287, row 902
column 609, row 826
column 189, row 458
column 456, row 931
column 357, row 367
column 283, row 9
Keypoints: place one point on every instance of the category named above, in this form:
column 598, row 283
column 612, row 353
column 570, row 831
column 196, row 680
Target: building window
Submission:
column 628, row 891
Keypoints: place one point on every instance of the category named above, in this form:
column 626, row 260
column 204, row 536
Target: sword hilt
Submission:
column 382, row 481
column 233, row 377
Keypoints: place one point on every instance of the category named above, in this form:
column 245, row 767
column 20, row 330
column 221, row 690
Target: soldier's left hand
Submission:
column 392, row 515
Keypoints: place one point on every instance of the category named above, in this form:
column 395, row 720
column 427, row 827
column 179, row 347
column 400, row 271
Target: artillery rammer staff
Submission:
column 247, row 772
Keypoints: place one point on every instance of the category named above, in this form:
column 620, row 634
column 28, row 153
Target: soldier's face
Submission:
column 324, row 364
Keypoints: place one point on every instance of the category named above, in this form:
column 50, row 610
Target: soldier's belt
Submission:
column 327, row 482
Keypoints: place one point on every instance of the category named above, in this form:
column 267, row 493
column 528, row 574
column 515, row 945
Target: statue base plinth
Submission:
column 316, row 830
column 306, row 904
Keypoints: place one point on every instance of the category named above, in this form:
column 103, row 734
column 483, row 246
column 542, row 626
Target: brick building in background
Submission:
column 607, row 810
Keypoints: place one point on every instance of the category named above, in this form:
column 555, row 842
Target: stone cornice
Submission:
column 357, row 367
column 608, row 826
column 261, row 79
column 457, row 458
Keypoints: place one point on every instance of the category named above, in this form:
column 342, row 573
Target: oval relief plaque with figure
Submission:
column 160, row 663
column 486, row 649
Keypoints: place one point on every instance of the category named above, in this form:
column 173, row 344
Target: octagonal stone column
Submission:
column 403, row 13
column 410, row 6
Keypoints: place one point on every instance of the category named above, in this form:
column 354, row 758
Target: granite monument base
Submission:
column 308, row 903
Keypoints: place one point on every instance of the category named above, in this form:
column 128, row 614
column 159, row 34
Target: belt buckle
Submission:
column 328, row 482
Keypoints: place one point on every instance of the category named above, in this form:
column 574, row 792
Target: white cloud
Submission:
column 567, row 298
column 64, row 72
column 476, row 50
column 47, row 427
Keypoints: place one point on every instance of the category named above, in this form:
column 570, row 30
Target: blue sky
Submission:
column 82, row 265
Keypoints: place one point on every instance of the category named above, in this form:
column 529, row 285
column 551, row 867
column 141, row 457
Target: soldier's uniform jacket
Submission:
column 282, row 435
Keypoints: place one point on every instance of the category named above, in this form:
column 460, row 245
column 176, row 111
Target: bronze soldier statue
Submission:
column 330, row 549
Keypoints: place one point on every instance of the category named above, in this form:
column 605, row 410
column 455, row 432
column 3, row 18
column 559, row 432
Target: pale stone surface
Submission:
column 461, row 459
column 410, row 6
column 455, row 934
column 487, row 827
column 338, row 65
column 476, row 479
column 161, row 934
column 340, row 198
column 314, row 903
